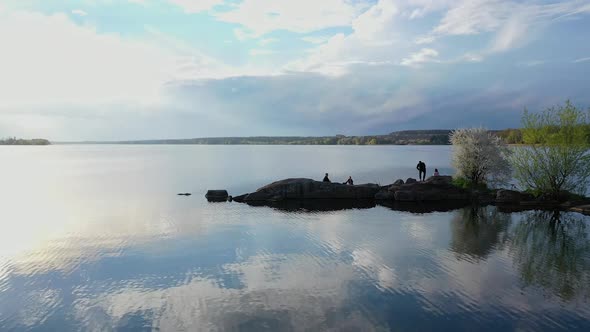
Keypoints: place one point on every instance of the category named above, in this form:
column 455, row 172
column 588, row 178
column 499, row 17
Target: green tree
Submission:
column 556, row 157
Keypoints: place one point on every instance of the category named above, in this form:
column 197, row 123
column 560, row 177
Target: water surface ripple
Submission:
column 94, row 238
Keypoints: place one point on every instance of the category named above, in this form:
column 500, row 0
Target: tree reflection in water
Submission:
column 477, row 230
column 552, row 250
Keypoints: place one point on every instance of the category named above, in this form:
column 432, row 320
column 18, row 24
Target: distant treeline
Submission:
column 406, row 137
column 20, row 141
column 413, row 137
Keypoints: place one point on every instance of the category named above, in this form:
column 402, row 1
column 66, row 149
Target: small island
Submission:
column 21, row 141
column 437, row 193
column 552, row 172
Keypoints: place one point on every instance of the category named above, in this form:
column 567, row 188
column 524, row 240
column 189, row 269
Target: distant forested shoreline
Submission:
column 21, row 141
column 406, row 137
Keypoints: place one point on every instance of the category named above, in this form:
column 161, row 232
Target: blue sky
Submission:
column 135, row 69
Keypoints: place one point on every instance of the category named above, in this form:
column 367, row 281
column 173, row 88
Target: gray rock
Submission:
column 507, row 196
column 411, row 180
column 310, row 189
column 405, row 196
column 216, row 195
column 240, row 198
column 437, row 189
column 385, row 195
column 398, row 182
column 441, row 179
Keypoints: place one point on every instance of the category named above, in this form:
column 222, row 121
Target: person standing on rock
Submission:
column 421, row 167
column 326, row 179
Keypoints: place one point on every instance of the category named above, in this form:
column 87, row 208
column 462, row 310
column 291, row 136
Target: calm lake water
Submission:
column 94, row 238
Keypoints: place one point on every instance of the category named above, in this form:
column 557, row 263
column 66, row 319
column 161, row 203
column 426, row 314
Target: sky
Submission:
column 148, row 69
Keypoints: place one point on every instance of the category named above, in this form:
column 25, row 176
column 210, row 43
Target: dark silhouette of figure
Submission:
column 326, row 179
column 349, row 181
column 436, row 173
column 421, row 167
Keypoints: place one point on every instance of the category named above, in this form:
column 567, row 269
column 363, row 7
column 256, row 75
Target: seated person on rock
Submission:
column 326, row 179
column 436, row 172
column 349, row 181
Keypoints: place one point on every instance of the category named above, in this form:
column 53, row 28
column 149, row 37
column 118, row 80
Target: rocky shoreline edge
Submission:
column 437, row 193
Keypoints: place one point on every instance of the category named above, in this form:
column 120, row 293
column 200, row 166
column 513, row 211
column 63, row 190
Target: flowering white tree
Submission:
column 480, row 156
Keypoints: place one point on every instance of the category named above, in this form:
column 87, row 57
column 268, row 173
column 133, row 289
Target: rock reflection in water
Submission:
column 325, row 205
column 424, row 207
column 317, row 205
column 552, row 250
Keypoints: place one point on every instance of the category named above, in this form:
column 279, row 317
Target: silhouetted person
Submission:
column 326, row 179
column 436, row 173
column 349, row 181
column 421, row 167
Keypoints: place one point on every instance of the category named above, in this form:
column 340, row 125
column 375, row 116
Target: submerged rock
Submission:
column 309, row 189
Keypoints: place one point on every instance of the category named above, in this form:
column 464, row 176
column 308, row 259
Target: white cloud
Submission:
column 582, row 60
column 243, row 34
column 475, row 16
column 267, row 41
column 79, row 12
column 49, row 60
column 303, row 16
column 532, row 63
column 423, row 56
column 372, row 41
column 196, row 6
column 316, row 39
column 415, row 9
column 424, row 40
column 471, row 57
column 512, row 34
column 256, row 52
column 511, row 21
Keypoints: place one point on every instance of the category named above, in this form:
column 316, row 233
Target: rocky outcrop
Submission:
column 216, row 195
column 437, row 193
column 436, row 188
column 385, row 195
column 298, row 189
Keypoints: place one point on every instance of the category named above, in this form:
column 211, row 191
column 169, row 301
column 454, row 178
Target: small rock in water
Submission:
column 217, row 195
column 184, row 194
